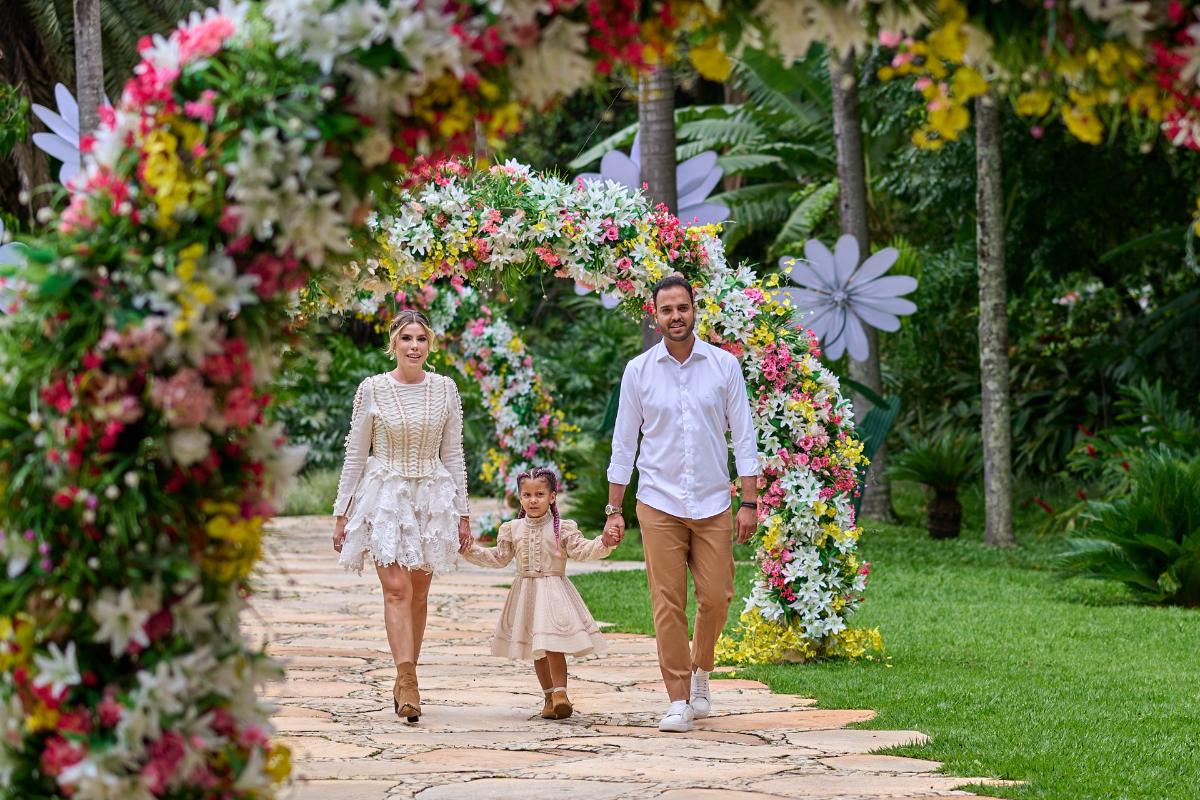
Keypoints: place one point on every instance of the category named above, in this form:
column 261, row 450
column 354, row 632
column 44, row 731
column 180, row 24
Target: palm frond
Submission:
column 813, row 208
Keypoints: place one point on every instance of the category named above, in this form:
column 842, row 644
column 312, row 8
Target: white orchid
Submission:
column 121, row 619
column 838, row 295
column 58, row 670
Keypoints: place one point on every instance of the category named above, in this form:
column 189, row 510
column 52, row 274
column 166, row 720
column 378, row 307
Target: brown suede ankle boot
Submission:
column 548, row 708
column 405, row 694
column 561, row 703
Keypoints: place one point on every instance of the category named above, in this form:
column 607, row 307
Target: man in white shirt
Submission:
column 682, row 395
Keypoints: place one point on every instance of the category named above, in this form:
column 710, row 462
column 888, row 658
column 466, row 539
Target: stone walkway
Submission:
column 481, row 737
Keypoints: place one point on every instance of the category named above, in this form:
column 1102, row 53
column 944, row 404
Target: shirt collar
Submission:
column 698, row 350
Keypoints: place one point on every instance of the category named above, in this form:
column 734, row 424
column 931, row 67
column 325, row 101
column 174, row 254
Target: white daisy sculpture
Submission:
column 62, row 142
column 837, row 296
column 694, row 181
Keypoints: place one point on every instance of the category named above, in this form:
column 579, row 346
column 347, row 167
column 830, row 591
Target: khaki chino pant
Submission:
column 673, row 545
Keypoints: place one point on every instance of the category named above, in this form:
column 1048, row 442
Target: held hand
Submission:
column 747, row 523
column 339, row 533
column 614, row 530
column 465, row 539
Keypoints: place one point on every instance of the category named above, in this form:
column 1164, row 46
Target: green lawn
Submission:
column 1014, row 672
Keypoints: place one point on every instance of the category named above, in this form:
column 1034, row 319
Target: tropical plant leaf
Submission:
column 815, row 206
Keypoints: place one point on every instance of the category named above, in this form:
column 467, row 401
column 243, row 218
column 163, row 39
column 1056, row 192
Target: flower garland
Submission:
column 509, row 221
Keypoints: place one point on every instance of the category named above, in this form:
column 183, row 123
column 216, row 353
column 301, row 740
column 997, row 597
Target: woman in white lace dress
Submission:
column 402, row 498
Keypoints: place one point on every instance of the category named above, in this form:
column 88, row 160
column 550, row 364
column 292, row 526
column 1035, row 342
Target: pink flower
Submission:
column 241, row 408
column 203, row 108
column 890, row 38
column 624, row 263
column 204, row 39
column 183, row 398
column 164, row 757
column 625, row 285
column 109, row 710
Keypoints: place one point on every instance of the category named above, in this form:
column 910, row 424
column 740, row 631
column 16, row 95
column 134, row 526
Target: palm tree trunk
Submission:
column 993, row 325
column 852, row 184
column 656, row 124
column 89, row 64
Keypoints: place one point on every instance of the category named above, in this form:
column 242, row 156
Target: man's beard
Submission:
column 679, row 337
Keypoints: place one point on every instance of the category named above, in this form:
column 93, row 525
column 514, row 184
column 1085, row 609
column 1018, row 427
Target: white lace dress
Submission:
column 404, row 481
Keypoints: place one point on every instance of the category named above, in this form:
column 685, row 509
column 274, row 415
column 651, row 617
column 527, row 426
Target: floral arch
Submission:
column 136, row 467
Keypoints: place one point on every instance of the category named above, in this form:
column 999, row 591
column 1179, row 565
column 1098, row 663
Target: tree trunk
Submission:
column 89, row 64
column 656, row 144
column 852, row 185
column 993, row 325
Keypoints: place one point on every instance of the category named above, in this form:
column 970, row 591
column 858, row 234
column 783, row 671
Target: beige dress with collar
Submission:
column 544, row 612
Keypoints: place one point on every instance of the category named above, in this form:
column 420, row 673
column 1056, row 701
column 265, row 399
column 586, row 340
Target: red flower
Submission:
column 60, row 754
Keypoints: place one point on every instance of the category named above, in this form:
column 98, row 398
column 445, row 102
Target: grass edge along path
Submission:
column 1014, row 672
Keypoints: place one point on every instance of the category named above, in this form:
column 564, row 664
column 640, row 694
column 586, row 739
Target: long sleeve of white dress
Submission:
column 451, row 451
column 358, row 448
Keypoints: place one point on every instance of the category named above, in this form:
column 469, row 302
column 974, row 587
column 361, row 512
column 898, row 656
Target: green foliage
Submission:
column 14, row 117
column 1150, row 539
column 944, row 461
column 315, row 392
column 312, row 494
column 1147, row 417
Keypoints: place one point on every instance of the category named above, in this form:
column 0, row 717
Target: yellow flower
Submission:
column 923, row 140
column 1034, row 103
column 967, row 83
column 710, row 60
column 279, row 762
column 1083, row 123
column 949, row 120
column 949, row 42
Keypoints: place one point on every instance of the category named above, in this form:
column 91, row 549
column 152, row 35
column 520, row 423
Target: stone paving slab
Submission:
column 481, row 738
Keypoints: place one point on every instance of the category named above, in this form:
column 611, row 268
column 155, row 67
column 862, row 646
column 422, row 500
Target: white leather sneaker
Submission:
column 678, row 719
column 701, row 699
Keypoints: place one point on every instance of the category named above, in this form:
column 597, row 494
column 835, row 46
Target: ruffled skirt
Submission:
column 545, row 615
column 412, row 522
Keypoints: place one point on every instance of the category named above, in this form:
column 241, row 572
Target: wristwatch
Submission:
column 610, row 509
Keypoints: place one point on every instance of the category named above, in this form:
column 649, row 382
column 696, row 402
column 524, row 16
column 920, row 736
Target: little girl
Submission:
column 544, row 618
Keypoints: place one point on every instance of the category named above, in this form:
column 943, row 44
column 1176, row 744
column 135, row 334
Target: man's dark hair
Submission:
column 675, row 279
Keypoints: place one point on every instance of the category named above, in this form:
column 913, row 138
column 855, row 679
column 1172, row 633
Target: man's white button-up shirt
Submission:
column 683, row 410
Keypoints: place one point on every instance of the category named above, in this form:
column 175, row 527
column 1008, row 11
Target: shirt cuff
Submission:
column 621, row 474
column 747, row 467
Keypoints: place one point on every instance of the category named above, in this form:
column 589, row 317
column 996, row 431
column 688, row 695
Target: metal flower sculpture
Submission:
column 694, row 181
column 63, row 141
column 838, row 295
